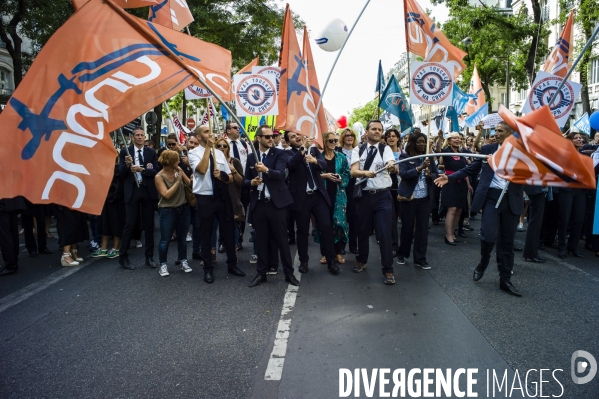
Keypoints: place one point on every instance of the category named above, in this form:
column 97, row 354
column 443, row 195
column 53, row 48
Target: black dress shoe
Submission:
column 450, row 242
column 292, row 280
column 259, row 279
column 517, row 249
column 541, row 246
column 342, row 252
column 272, row 271
column 354, row 251
column 208, row 278
column 462, row 234
column 45, row 251
column 33, row 254
column 535, row 260
column 125, row 264
column 196, row 255
column 150, row 262
column 562, row 254
column 303, row 267
column 8, row 272
column 221, row 249
column 478, row 274
column 508, row 287
column 575, row 254
column 333, row 268
column 239, row 247
column 236, row 272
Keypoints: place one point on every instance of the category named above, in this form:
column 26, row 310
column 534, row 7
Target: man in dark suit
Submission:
column 498, row 222
column 137, row 171
column 536, row 209
column 9, row 233
column 269, row 198
column 309, row 197
column 34, row 247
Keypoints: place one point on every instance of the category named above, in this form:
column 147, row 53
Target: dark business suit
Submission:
column 9, row 232
column 34, row 211
column 143, row 197
column 572, row 205
column 417, row 210
column 497, row 223
column 269, row 215
column 316, row 203
column 536, row 209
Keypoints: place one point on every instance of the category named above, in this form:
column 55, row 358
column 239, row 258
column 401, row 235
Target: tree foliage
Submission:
column 364, row 113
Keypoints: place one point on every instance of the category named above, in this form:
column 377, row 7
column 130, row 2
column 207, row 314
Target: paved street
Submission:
column 99, row 331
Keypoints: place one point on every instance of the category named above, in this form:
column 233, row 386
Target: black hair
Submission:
column 411, row 146
column 391, row 130
column 373, row 121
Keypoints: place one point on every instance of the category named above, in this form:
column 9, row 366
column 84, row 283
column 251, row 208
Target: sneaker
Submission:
column 389, row 279
column 163, row 271
column 401, row 260
column 113, row 253
column 254, row 259
column 359, row 267
column 138, row 244
column 99, row 253
column 272, row 271
column 93, row 246
column 520, row 227
column 189, row 238
column 185, row 267
column 423, row 264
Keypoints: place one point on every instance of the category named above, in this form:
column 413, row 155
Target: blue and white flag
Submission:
column 583, row 124
column 394, row 101
column 460, row 99
column 380, row 79
column 224, row 113
column 477, row 116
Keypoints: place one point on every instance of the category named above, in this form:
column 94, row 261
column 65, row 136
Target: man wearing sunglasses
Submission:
column 310, row 197
column 268, row 208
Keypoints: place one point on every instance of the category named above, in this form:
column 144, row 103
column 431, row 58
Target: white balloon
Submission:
column 332, row 37
column 358, row 128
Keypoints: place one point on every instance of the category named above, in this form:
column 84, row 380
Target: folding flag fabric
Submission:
column 314, row 92
column 531, row 155
column 439, row 117
column 380, row 79
column 248, row 67
column 205, row 118
column 173, row 14
column 478, row 116
column 224, row 113
column 180, row 129
column 100, row 70
column 394, row 101
column 453, row 118
column 425, row 39
column 559, row 61
column 476, row 91
column 332, row 124
column 121, row 3
column 460, row 99
column 583, row 124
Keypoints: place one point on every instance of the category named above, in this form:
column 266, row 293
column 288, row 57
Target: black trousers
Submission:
column 291, row 226
column 316, row 205
column 435, row 203
column 417, row 211
column 270, row 223
column 572, row 206
column 209, row 208
column 550, row 220
column 536, row 210
column 339, row 245
column 34, row 211
column 395, row 222
column 351, row 215
column 9, row 239
column 140, row 201
column 375, row 208
column 499, row 225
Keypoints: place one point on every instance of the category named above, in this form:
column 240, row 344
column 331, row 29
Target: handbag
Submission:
column 190, row 196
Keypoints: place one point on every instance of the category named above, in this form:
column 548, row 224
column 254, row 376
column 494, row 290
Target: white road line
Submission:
column 571, row 267
column 274, row 370
column 19, row 296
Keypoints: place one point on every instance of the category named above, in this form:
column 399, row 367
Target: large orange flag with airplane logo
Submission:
column 560, row 59
column 537, row 154
column 100, row 70
column 321, row 122
column 476, row 88
column 173, row 14
column 121, row 3
column 424, row 38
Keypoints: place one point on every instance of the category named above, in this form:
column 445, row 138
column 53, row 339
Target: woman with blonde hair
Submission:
column 348, row 140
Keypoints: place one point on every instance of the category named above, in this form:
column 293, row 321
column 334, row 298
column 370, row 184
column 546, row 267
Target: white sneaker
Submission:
column 520, row 227
column 254, row 259
column 189, row 239
column 163, row 271
column 185, row 266
column 138, row 244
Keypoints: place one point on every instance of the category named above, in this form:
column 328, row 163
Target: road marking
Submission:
column 274, row 370
column 19, row 296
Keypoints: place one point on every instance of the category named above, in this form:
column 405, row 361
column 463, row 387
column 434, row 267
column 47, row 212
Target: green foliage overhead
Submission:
column 364, row 113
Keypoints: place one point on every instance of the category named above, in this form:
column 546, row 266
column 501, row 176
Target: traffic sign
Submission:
column 191, row 123
column 151, row 118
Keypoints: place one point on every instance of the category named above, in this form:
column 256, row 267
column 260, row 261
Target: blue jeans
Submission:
column 172, row 219
column 215, row 236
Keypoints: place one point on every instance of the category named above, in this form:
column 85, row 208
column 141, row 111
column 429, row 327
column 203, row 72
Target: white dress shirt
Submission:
column 202, row 184
column 138, row 162
column 243, row 153
column 382, row 180
column 262, row 186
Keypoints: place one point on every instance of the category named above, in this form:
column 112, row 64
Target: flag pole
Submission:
column 326, row 83
column 428, row 132
column 170, row 118
column 128, row 154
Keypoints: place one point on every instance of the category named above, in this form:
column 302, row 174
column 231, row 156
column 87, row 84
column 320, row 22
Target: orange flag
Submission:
column 321, row 122
column 425, row 39
column 173, row 14
column 537, row 154
column 121, row 3
column 559, row 61
column 476, row 88
column 100, row 70
column 248, row 67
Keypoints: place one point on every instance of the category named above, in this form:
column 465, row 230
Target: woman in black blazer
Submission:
column 415, row 193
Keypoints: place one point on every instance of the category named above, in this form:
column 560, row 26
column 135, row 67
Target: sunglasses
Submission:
column 267, row 136
column 222, row 146
column 171, row 144
column 234, row 127
column 331, row 141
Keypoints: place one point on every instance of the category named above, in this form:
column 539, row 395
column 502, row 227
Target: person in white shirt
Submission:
column 213, row 200
column 375, row 205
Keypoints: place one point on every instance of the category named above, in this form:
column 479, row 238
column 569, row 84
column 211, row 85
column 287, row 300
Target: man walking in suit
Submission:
column 310, row 197
column 268, row 207
column 137, row 171
column 536, row 209
column 9, row 233
column 497, row 220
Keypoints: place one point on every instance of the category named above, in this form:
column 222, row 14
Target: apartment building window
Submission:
column 594, row 72
column 545, row 12
column 522, row 95
column 503, row 98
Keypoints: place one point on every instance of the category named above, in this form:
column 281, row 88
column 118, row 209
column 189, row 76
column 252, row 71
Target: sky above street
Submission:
column 378, row 35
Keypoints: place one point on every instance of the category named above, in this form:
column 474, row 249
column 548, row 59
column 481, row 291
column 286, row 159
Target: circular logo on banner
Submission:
column 544, row 89
column 431, row 83
column 256, row 95
column 199, row 91
column 274, row 71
